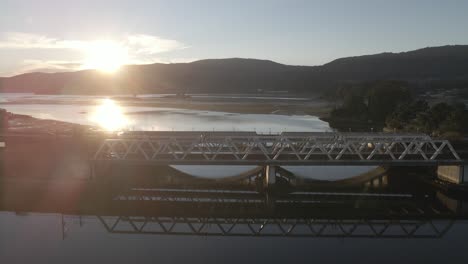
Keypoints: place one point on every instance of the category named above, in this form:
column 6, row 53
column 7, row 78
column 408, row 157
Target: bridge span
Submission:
column 291, row 148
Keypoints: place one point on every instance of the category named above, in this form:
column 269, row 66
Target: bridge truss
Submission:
column 246, row 148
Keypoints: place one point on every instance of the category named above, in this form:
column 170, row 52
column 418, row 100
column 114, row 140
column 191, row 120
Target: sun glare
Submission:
column 109, row 116
column 106, row 56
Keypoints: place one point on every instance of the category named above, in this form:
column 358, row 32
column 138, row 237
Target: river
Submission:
column 45, row 234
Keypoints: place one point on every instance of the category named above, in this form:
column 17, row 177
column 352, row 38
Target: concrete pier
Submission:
column 454, row 173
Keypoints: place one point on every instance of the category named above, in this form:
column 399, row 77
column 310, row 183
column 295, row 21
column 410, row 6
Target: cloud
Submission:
column 48, row 66
column 138, row 49
column 138, row 43
column 147, row 44
column 19, row 40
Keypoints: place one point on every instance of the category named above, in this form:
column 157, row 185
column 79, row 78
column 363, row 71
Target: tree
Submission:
column 385, row 97
column 440, row 119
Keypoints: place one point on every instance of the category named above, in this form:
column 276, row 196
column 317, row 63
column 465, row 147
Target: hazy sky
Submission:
column 61, row 35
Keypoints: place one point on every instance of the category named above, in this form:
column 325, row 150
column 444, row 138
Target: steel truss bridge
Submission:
column 292, row 148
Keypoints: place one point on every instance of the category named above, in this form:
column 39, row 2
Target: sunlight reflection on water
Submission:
column 109, row 116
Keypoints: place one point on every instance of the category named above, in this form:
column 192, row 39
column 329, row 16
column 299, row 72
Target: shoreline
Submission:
column 313, row 107
column 19, row 123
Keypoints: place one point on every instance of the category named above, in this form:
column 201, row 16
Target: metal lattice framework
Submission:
column 233, row 197
column 242, row 148
column 276, row 227
column 227, row 213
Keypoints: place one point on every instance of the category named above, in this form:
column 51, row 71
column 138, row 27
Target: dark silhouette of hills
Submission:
column 446, row 63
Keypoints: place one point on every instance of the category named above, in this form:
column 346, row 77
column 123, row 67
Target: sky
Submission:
column 60, row 35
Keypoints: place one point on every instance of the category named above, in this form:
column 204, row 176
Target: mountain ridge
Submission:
column 247, row 75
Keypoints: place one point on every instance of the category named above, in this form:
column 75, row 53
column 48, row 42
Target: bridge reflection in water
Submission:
column 320, row 215
column 277, row 227
column 376, row 214
column 242, row 212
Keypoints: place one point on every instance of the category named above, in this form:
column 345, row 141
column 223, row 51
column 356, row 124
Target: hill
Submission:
column 236, row 75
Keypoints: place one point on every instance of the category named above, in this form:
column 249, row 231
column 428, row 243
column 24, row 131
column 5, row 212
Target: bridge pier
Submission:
column 453, row 173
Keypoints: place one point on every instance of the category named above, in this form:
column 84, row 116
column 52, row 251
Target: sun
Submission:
column 105, row 55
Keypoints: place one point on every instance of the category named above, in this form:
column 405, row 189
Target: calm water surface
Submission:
column 38, row 238
column 156, row 118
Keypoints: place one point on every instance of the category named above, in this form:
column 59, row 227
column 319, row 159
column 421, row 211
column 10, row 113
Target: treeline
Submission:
column 393, row 106
column 438, row 120
column 370, row 102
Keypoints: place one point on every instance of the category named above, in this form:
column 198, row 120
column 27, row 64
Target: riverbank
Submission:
column 19, row 124
column 351, row 125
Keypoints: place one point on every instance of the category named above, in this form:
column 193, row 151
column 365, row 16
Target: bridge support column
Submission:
column 454, row 173
column 270, row 175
